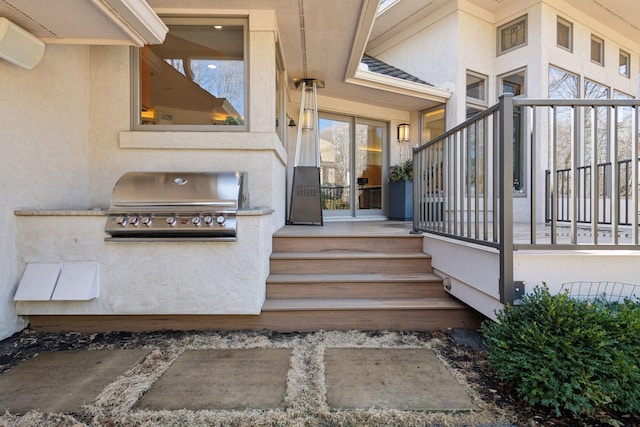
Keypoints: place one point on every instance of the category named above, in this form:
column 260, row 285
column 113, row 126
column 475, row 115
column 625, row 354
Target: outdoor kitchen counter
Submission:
column 165, row 277
column 105, row 212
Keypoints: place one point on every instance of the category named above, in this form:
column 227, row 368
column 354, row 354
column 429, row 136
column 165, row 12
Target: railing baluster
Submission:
column 635, row 131
column 595, row 178
column 615, row 170
column 552, row 177
column 533, row 186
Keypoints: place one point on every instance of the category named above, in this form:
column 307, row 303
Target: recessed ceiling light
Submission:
column 211, row 66
column 217, row 27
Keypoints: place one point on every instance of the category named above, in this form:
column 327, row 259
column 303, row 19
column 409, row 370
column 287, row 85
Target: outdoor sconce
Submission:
column 291, row 122
column 403, row 132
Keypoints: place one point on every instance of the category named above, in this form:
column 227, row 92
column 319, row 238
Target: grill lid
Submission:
column 159, row 191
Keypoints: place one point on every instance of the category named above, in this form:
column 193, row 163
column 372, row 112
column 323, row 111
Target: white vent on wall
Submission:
column 56, row 281
column 19, row 46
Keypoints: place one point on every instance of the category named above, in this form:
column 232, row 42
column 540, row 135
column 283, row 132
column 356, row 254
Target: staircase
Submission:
column 337, row 277
column 373, row 282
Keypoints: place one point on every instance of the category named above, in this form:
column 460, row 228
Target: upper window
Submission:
column 476, row 93
column 512, row 35
column 194, row 80
column 513, row 83
column 564, row 34
column 597, row 50
column 624, row 64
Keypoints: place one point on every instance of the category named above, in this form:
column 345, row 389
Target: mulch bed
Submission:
column 468, row 359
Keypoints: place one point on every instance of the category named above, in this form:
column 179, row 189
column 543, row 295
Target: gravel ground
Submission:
column 461, row 351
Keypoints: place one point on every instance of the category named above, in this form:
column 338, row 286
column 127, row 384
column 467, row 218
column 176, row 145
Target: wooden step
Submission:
column 369, row 314
column 405, row 285
column 350, row 262
column 367, row 243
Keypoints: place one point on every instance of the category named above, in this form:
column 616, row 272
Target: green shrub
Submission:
column 577, row 357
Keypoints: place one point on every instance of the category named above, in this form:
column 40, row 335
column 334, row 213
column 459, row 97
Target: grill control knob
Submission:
column 172, row 221
column 196, row 220
column 208, row 220
column 134, row 220
column 147, row 221
column 220, row 220
column 121, row 221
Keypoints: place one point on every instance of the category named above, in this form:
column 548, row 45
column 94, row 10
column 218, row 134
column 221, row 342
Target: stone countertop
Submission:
column 105, row 212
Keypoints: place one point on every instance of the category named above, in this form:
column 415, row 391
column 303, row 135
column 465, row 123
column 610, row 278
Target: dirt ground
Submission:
column 461, row 351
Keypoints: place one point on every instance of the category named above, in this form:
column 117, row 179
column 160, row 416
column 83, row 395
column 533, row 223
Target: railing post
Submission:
column 505, row 144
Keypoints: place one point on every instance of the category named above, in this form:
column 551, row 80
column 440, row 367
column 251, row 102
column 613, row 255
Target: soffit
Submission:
column 86, row 21
column 331, row 29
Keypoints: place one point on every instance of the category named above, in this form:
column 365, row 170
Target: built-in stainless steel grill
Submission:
column 177, row 205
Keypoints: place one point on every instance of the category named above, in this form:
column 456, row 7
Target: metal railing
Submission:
column 465, row 184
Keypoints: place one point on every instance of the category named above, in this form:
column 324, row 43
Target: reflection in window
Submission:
column 514, row 83
column 476, row 93
column 596, row 123
column 433, row 124
column 562, row 85
column 624, row 67
column 197, row 76
column 597, row 50
column 564, row 34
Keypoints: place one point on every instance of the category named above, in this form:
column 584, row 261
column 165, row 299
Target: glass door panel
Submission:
column 368, row 168
column 351, row 164
column 335, row 161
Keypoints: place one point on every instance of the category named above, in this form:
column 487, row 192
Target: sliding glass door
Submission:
column 351, row 163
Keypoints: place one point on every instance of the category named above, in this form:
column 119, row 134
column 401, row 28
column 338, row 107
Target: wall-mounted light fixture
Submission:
column 403, row 132
column 292, row 123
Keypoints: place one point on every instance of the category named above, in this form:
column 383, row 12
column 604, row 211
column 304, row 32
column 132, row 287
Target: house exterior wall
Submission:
column 44, row 150
column 66, row 139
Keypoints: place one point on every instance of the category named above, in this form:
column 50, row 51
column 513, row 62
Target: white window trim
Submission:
column 135, row 87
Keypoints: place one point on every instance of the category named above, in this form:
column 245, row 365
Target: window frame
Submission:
column 136, row 124
column 569, row 25
column 520, row 152
column 473, row 103
column 596, row 39
column 524, row 19
column 627, row 65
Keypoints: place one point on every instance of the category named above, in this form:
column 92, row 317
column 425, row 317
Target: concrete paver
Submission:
column 405, row 379
column 222, row 379
column 61, row 382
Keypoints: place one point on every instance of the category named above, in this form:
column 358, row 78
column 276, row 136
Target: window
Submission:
column 562, row 85
column 196, row 79
column 433, row 123
column 514, row 83
column 596, row 123
column 624, row 64
column 564, row 34
column 512, row 35
column 597, row 50
column 476, row 93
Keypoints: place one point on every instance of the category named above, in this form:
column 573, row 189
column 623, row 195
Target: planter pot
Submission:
column 400, row 201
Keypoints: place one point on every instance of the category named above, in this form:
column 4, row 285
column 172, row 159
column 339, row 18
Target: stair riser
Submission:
column 355, row 290
column 395, row 320
column 337, row 266
column 281, row 321
column 348, row 243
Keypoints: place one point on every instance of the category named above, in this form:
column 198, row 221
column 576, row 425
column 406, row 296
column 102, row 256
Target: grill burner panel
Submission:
column 176, row 205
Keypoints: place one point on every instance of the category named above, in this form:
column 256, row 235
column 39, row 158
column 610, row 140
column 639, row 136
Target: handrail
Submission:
column 464, row 178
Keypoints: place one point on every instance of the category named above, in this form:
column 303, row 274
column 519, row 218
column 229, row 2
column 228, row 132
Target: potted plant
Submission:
column 400, row 198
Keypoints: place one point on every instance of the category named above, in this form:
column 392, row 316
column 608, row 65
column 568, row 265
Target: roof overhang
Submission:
column 356, row 75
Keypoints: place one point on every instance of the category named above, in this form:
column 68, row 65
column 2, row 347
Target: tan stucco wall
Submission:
column 44, row 132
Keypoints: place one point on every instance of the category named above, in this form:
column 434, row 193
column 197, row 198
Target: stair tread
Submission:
column 352, row 277
column 348, row 255
column 277, row 304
